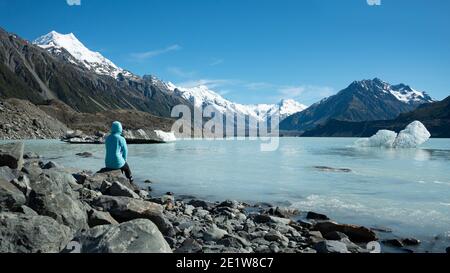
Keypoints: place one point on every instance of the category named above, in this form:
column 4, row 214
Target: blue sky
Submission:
column 256, row 51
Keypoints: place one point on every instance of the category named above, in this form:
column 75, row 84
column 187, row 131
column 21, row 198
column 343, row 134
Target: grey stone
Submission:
column 99, row 218
column 27, row 211
column 189, row 246
column 6, row 173
column 136, row 236
column 23, row 184
column 200, row 203
column 335, row 235
column 53, row 196
column 331, row 247
column 20, row 233
column 51, row 165
column 411, row 241
column 283, row 212
column 213, row 233
column 117, row 189
column 125, row 209
column 358, row 234
column 393, row 242
column 275, row 236
column 31, row 155
column 84, row 154
column 11, row 155
column 88, row 195
column 316, row 216
column 11, row 197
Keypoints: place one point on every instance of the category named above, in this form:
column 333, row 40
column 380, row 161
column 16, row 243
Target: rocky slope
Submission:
column 30, row 72
column 20, row 119
column 82, row 211
column 435, row 116
column 365, row 100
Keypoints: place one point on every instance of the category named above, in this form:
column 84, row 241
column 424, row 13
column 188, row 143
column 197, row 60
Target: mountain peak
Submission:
column 401, row 92
column 54, row 42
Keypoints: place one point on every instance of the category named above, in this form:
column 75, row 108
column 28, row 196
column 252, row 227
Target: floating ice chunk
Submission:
column 383, row 138
column 165, row 136
column 414, row 135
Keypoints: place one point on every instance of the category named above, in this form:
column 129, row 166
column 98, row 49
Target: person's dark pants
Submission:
column 127, row 171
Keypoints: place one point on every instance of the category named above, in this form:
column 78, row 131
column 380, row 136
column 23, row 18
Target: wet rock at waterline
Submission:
column 11, row 155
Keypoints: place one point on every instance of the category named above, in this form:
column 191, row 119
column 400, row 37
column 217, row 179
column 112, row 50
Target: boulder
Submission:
column 23, row 184
column 393, row 242
column 213, row 233
column 11, row 197
column 283, row 212
column 51, row 165
column 200, row 203
column 99, row 218
column 26, row 210
column 52, row 195
column 316, row 216
column 31, row 155
column 357, row 234
column 11, row 155
column 84, row 155
column 6, row 173
column 275, row 236
column 95, row 181
column 20, row 233
column 331, row 247
column 117, row 189
column 411, row 241
column 189, row 246
column 125, row 209
column 335, row 235
column 136, row 236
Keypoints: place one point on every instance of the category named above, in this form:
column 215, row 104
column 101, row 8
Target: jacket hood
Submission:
column 116, row 128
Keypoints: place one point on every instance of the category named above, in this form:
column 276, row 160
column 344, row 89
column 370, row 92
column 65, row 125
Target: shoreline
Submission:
column 102, row 202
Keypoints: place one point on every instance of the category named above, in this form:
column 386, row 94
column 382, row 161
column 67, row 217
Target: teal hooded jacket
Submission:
column 116, row 148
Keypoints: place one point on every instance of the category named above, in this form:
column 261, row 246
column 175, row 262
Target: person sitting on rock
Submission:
column 117, row 151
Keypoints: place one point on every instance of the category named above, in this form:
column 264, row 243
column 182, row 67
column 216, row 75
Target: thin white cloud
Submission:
column 216, row 61
column 305, row 92
column 181, row 72
column 210, row 83
column 259, row 86
column 154, row 53
column 73, row 2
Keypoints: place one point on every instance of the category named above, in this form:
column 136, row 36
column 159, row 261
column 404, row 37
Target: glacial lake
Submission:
column 406, row 190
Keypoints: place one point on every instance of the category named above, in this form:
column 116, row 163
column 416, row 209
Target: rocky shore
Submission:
column 45, row 207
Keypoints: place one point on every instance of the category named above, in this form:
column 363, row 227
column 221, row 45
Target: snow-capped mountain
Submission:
column 201, row 96
column 60, row 44
column 365, row 100
column 401, row 92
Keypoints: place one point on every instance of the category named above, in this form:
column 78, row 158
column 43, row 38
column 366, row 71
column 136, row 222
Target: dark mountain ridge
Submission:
column 435, row 116
column 30, row 72
column 364, row 100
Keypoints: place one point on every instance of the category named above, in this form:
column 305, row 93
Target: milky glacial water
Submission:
column 406, row 190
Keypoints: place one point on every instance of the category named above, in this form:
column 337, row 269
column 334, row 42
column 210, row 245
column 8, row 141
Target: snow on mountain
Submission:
column 201, row 96
column 401, row 92
column 55, row 42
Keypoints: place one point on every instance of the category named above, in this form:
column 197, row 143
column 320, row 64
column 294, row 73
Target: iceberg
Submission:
column 383, row 138
column 412, row 136
column 165, row 136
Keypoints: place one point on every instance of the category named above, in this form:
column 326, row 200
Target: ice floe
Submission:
column 412, row 136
